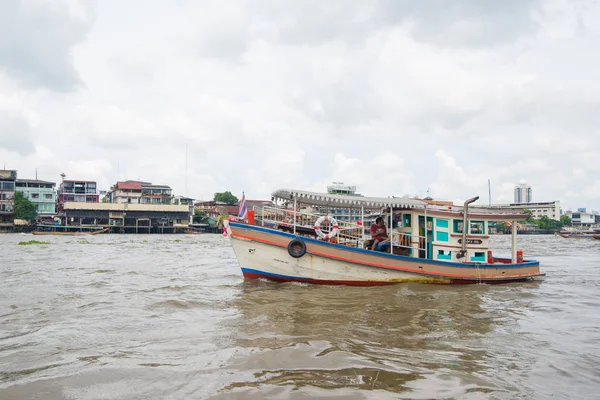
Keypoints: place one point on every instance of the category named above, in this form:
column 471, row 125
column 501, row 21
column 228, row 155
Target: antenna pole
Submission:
column 489, row 193
column 186, row 170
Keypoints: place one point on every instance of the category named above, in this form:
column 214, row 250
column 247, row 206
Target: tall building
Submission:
column 523, row 193
column 40, row 193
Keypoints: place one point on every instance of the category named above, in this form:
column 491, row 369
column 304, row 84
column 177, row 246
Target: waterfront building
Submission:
column 40, row 193
column 550, row 209
column 523, row 193
column 128, row 218
column 138, row 192
column 129, row 192
column 582, row 218
column 7, row 191
column 185, row 201
column 77, row 191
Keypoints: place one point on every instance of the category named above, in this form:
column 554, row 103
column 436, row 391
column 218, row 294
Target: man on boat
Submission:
column 378, row 233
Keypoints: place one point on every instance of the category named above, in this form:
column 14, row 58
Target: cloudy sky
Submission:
column 395, row 96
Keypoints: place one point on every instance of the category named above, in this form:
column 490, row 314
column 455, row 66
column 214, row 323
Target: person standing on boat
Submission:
column 378, row 233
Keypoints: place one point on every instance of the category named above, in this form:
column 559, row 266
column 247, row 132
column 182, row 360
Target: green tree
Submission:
column 530, row 216
column 566, row 220
column 200, row 217
column 226, row 197
column 23, row 208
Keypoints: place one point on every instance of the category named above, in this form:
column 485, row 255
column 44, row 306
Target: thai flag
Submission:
column 242, row 213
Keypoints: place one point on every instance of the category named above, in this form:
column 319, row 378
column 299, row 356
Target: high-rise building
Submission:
column 523, row 193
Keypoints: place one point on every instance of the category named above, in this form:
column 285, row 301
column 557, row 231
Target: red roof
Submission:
column 129, row 186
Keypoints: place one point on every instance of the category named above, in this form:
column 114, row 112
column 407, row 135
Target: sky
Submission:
column 397, row 97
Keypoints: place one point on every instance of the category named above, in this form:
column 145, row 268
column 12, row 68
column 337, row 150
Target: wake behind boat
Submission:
column 427, row 243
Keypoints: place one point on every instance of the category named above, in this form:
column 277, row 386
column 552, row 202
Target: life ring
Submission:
column 334, row 228
column 296, row 248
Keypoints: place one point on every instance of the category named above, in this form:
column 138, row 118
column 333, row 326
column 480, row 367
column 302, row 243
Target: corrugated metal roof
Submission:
column 129, row 186
column 346, row 201
column 125, row 207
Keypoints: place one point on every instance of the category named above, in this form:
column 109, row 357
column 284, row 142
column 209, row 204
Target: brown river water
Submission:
column 170, row 317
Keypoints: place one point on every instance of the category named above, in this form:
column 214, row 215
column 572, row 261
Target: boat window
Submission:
column 444, row 255
column 458, row 225
column 406, row 220
column 477, row 228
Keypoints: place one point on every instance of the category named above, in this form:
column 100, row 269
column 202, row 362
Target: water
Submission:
column 170, row 317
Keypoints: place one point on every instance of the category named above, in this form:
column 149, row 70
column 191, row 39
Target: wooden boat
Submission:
column 578, row 234
column 596, row 236
column 88, row 233
column 427, row 243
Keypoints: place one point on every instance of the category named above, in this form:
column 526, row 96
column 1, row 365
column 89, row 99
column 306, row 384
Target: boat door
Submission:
column 426, row 230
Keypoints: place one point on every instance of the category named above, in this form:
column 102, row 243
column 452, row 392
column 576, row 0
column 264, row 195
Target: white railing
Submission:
column 349, row 233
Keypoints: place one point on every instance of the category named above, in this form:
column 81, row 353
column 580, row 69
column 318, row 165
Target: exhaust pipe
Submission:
column 463, row 250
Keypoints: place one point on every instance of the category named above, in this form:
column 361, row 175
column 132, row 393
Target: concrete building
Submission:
column 129, row 192
column 40, row 193
column 523, row 193
column 77, row 191
column 7, row 191
column 138, row 192
column 580, row 218
column 550, row 209
column 342, row 214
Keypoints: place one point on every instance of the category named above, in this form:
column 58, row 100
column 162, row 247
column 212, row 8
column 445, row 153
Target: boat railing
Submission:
column 349, row 232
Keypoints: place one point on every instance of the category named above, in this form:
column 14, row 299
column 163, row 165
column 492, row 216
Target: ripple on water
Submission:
column 180, row 304
column 148, row 317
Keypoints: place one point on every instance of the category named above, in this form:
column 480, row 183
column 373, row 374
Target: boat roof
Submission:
column 347, row 201
column 377, row 203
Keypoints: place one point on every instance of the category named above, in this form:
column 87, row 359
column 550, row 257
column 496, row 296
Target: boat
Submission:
column 596, row 236
column 87, row 233
column 579, row 233
column 299, row 240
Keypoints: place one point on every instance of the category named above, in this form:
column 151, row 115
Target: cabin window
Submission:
column 406, row 220
column 441, row 223
column 458, row 226
column 444, row 255
column 441, row 236
column 478, row 256
column 477, row 228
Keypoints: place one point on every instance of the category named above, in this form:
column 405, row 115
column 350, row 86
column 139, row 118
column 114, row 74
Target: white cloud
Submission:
column 396, row 97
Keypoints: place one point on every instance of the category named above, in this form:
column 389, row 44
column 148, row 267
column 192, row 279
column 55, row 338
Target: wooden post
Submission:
column 414, row 220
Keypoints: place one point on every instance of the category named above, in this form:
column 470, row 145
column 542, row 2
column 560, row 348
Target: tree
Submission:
column 530, row 216
column 226, row 197
column 200, row 217
column 566, row 220
column 23, row 208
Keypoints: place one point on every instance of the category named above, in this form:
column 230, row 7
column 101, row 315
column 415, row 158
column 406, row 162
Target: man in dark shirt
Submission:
column 378, row 233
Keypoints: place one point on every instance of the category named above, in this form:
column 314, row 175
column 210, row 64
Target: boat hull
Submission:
column 88, row 233
column 263, row 253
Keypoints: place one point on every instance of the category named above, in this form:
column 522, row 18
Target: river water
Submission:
column 170, row 317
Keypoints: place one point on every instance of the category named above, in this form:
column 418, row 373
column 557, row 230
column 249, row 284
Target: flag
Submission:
column 242, row 212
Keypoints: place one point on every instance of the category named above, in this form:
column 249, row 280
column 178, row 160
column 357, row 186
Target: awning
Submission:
column 346, row 201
